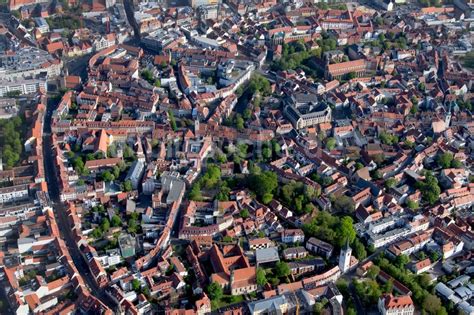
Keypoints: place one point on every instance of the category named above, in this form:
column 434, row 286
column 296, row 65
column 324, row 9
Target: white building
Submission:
column 23, row 86
column 13, row 193
column 396, row 305
column 292, row 236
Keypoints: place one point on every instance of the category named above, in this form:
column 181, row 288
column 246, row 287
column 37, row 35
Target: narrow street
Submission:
column 60, row 211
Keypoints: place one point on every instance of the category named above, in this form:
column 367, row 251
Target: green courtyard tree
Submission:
column 444, row 160
column 215, row 291
column 261, row 277
column 116, row 221
column 430, row 189
column 263, row 183
column 330, row 143
column 282, row 269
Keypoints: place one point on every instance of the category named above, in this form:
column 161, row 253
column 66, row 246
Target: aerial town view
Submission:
column 237, row 157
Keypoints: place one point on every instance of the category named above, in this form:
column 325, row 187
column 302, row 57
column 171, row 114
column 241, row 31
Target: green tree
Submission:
column 16, row 14
column 172, row 120
column 116, row 171
column 469, row 60
column 105, row 225
column 147, row 75
column 379, row 158
column 330, row 143
column 351, row 311
column 424, row 280
column 311, row 192
column 346, row 231
column 239, row 91
column 421, row 87
column 359, row 250
column 223, row 194
column 247, row 114
column 107, row 176
column 351, row 75
column 227, row 239
column 259, row 83
column 343, row 204
column 96, row 233
column 267, row 197
column 402, row 260
column 267, row 153
column 128, row 152
column 132, row 225
column 444, row 160
column 390, row 182
column 244, row 214
column 263, row 183
column 261, row 277
column 456, row 163
column 136, row 285
column 195, row 193
column 239, row 122
column 413, row 205
column 368, row 290
column 431, row 304
column 127, row 186
column 276, row 147
column 90, row 157
column 282, row 269
column 215, row 291
column 116, row 221
column 274, row 281
column 323, row 226
column 387, row 138
column 430, row 189
column 319, row 306
column 342, row 286
column 388, row 286
column 434, row 256
column 409, row 144
column 373, row 272
column 79, row 166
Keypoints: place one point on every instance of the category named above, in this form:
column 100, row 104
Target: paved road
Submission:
column 60, row 212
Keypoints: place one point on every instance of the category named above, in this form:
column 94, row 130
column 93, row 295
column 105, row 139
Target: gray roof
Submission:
column 267, row 255
column 271, row 305
column 442, row 289
column 459, row 281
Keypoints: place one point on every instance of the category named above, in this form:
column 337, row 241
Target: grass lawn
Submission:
column 226, row 300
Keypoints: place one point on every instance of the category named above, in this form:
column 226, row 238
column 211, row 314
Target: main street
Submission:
column 60, row 211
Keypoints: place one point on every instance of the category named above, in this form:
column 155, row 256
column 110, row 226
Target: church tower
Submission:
column 345, row 257
column 447, row 119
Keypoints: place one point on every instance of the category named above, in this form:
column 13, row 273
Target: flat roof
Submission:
column 267, row 254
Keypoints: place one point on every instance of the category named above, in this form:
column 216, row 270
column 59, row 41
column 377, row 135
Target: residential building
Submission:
column 396, row 305
column 319, row 247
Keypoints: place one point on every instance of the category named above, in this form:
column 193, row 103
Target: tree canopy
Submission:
column 263, row 183
column 429, row 188
column 215, row 291
column 11, row 141
column 261, row 277
column 260, row 84
column 331, row 229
